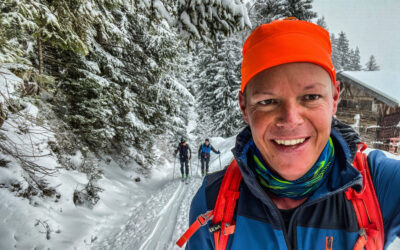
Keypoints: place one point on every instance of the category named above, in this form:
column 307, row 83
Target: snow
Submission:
column 51, row 19
column 96, row 78
column 186, row 20
column 157, row 4
column 383, row 82
column 8, row 83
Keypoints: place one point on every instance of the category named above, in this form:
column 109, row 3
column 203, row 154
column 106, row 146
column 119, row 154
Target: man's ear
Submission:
column 242, row 104
column 336, row 95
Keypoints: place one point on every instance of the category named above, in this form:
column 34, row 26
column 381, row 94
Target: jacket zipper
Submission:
column 329, row 243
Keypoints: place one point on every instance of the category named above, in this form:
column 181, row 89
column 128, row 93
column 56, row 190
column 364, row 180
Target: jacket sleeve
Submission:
column 213, row 149
column 202, row 239
column 385, row 173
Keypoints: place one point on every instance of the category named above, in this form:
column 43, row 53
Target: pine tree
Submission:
column 355, row 60
column 301, row 9
column 265, row 11
column 372, row 65
column 321, row 22
column 219, row 84
column 126, row 91
column 227, row 116
column 335, row 53
column 203, row 19
column 343, row 51
column 205, row 83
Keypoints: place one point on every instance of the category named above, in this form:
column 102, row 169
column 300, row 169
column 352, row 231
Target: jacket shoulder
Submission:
column 383, row 168
column 385, row 174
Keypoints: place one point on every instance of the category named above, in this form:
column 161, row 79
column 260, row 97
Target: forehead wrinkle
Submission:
column 314, row 85
column 261, row 92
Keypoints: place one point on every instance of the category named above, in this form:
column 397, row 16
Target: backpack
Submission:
column 365, row 203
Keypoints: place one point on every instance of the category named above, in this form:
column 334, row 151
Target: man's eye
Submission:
column 267, row 102
column 311, row 97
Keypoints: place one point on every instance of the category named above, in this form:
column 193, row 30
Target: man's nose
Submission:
column 290, row 115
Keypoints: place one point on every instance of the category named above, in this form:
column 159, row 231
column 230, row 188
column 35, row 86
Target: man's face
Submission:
column 289, row 109
column 206, row 142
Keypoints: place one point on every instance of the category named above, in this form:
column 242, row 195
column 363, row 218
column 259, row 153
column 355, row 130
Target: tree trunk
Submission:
column 40, row 52
column 2, row 115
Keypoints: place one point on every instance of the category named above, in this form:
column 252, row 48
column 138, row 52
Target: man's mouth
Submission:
column 292, row 142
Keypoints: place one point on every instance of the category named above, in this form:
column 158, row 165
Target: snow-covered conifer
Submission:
column 342, row 51
column 301, row 9
column 321, row 22
column 265, row 11
column 372, row 65
column 217, row 98
column 355, row 60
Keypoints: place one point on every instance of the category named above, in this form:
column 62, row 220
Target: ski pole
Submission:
column 173, row 173
column 197, row 170
column 190, row 166
column 220, row 166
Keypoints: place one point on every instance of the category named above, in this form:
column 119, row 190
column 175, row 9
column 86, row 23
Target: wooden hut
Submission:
column 374, row 97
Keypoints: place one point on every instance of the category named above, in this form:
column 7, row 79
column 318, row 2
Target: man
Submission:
column 204, row 155
column 293, row 158
column 185, row 154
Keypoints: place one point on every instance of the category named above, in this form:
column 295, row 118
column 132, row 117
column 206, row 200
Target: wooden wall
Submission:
column 355, row 101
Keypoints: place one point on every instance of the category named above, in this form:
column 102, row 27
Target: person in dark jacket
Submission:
column 185, row 154
column 204, row 155
column 294, row 157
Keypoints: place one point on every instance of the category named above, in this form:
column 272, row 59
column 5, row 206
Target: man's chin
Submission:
column 292, row 172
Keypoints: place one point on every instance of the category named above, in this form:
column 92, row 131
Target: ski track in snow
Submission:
column 158, row 222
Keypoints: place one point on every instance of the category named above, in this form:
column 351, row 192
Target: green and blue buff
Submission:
column 297, row 189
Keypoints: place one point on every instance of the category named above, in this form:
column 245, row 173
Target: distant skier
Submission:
column 204, row 155
column 184, row 158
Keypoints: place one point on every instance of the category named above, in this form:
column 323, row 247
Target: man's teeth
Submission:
column 290, row 142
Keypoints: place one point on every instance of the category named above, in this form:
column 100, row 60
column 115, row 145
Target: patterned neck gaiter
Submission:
column 297, row 189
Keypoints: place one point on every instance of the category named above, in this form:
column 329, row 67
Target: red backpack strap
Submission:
column 222, row 214
column 223, row 224
column 366, row 206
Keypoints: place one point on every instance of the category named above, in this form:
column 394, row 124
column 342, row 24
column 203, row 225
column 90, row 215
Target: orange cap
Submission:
column 286, row 41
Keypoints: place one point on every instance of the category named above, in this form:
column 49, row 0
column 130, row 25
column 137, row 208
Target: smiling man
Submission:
column 293, row 159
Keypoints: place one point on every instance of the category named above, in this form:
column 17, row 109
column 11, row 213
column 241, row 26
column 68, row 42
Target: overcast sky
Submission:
column 372, row 25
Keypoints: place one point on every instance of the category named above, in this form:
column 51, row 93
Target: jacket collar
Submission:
column 342, row 175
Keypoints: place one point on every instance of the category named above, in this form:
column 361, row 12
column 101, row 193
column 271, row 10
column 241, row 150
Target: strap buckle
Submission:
column 215, row 227
column 204, row 218
column 226, row 228
column 363, row 233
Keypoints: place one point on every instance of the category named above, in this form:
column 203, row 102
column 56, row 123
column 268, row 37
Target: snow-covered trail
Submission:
column 159, row 220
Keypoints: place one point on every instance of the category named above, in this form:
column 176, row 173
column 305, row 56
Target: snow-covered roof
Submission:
column 384, row 85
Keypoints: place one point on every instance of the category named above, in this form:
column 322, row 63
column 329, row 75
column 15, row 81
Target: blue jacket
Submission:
column 259, row 224
column 205, row 150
